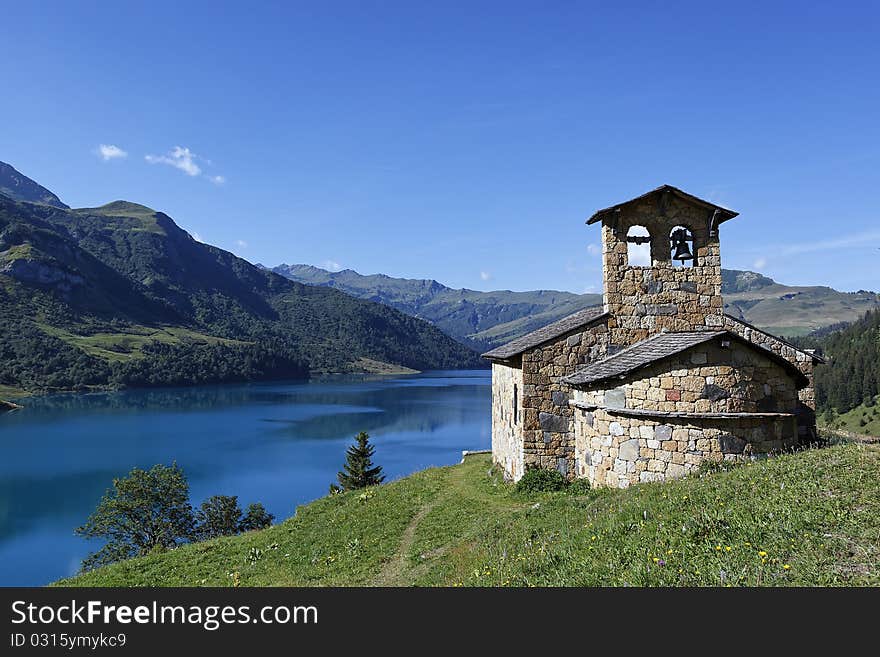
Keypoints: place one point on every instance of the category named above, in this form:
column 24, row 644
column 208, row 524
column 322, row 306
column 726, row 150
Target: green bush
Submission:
column 711, row 467
column 578, row 487
column 540, row 480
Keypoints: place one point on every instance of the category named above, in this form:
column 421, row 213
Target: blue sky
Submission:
column 465, row 142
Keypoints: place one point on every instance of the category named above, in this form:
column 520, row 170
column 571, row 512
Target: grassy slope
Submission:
column 796, row 310
column 11, row 392
column 852, row 420
column 128, row 343
column 817, row 512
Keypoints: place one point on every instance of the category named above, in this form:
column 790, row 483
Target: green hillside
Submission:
column 121, row 296
column 804, row 519
column 488, row 319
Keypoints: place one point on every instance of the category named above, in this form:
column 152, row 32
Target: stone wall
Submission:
column 806, row 409
column 617, row 451
column 507, row 444
column 614, row 449
column 644, row 300
column 547, row 438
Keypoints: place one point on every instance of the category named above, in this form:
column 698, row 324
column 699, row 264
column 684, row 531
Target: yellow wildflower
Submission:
column 785, row 566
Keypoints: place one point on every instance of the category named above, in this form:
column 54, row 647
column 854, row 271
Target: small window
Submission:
column 681, row 242
column 515, row 402
column 638, row 247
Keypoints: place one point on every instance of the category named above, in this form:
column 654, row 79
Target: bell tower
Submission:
column 661, row 263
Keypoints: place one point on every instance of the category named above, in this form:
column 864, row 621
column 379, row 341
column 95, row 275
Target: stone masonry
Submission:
column 547, row 416
column 708, row 403
column 507, row 443
column 661, row 297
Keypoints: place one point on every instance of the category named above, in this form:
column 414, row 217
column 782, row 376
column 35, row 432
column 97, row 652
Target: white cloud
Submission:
column 331, row 265
column 241, row 244
column 594, row 249
column 760, row 263
column 846, row 241
column 109, row 152
column 180, row 158
column 485, row 276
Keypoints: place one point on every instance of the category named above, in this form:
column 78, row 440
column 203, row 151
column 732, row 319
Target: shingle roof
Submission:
column 725, row 213
column 549, row 332
column 639, row 355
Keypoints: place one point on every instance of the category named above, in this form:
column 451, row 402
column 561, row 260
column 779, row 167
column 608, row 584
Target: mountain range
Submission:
column 479, row 319
column 120, row 295
column 487, row 319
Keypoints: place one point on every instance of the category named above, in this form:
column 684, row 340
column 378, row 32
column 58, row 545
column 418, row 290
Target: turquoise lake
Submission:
column 276, row 443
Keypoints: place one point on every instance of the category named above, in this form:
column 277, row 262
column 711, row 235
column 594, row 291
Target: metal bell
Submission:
column 680, row 244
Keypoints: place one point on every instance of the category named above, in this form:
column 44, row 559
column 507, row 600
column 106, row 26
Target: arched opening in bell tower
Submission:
column 638, row 247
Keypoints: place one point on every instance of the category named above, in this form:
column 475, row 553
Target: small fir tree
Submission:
column 359, row 471
column 255, row 517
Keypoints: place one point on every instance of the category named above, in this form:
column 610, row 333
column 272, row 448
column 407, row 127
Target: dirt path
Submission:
column 398, row 571
column 393, row 571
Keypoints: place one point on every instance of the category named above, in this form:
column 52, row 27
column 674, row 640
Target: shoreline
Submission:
column 8, row 406
column 316, row 376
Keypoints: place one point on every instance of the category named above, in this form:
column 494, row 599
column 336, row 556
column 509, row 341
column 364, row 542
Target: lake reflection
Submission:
column 277, row 443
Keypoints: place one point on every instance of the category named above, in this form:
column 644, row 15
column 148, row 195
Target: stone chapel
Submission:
column 657, row 379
